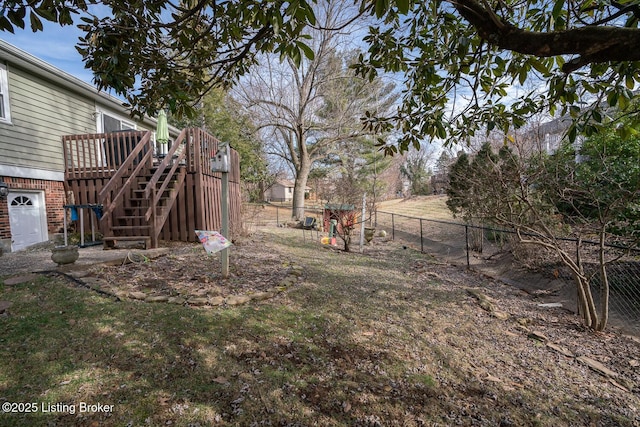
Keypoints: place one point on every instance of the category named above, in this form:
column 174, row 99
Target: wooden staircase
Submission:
column 112, row 170
column 138, row 198
column 137, row 223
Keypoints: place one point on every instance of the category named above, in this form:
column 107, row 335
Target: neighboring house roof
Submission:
column 285, row 182
column 290, row 183
column 46, row 71
column 339, row 207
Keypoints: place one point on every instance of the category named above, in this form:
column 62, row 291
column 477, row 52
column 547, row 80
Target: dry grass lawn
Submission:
column 390, row 337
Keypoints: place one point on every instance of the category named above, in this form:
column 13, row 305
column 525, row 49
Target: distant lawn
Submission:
column 429, row 207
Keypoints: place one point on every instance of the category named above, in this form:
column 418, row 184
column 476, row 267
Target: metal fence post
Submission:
column 578, row 309
column 466, row 237
column 625, row 286
column 393, row 227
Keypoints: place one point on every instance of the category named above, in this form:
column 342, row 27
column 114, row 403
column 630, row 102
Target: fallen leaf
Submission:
column 560, row 349
column 620, row 386
column 539, row 336
column 597, row 366
column 493, row 379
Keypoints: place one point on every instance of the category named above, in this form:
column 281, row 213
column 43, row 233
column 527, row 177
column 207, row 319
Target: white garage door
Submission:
column 27, row 218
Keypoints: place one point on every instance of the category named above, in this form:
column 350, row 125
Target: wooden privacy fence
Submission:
column 116, row 163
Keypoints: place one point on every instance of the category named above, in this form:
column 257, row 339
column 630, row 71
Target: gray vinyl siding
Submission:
column 41, row 114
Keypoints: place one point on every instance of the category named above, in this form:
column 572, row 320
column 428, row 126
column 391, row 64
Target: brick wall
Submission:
column 5, row 233
column 54, row 200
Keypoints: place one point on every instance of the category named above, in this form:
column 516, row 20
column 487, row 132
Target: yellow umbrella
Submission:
column 162, row 128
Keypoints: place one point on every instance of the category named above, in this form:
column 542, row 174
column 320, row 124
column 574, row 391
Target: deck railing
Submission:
column 99, row 155
column 202, row 147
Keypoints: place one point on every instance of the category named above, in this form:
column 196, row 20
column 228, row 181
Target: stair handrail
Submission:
column 165, row 162
column 125, row 167
column 153, row 194
column 159, row 220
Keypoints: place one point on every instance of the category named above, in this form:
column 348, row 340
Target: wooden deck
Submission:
column 145, row 197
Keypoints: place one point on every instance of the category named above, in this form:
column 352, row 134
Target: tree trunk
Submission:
column 604, row 286
column 586, row 303
column 346, row 237
column 297, row 213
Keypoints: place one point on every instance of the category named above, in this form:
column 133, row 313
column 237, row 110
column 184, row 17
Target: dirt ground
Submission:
column 189, row 274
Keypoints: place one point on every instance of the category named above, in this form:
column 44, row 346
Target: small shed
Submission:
column 344, row 214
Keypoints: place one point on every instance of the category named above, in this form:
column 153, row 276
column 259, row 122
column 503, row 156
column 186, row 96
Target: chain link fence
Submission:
column 496, row 253
column 274, row 214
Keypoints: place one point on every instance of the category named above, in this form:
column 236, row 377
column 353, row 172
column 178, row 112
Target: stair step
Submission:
column 137, row 208
column 150, row 175
column 142, row 191
column 130, row 227
column 138, row 199
column 145, row 198
column 147, row 178
column 126, row 217
column 110, row 242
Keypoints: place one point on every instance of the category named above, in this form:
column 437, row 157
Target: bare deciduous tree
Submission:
column 304, row 110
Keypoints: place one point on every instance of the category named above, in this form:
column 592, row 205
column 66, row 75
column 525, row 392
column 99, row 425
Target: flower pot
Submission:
column 64, row 254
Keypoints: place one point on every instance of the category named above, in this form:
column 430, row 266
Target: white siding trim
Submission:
column 4, row 90
column 30, row 173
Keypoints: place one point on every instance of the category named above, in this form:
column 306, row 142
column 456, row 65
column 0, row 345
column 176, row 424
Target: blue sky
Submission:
column 55, row 45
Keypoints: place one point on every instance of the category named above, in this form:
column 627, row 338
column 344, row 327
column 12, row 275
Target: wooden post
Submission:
column 224, row 254
column 220, row 163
